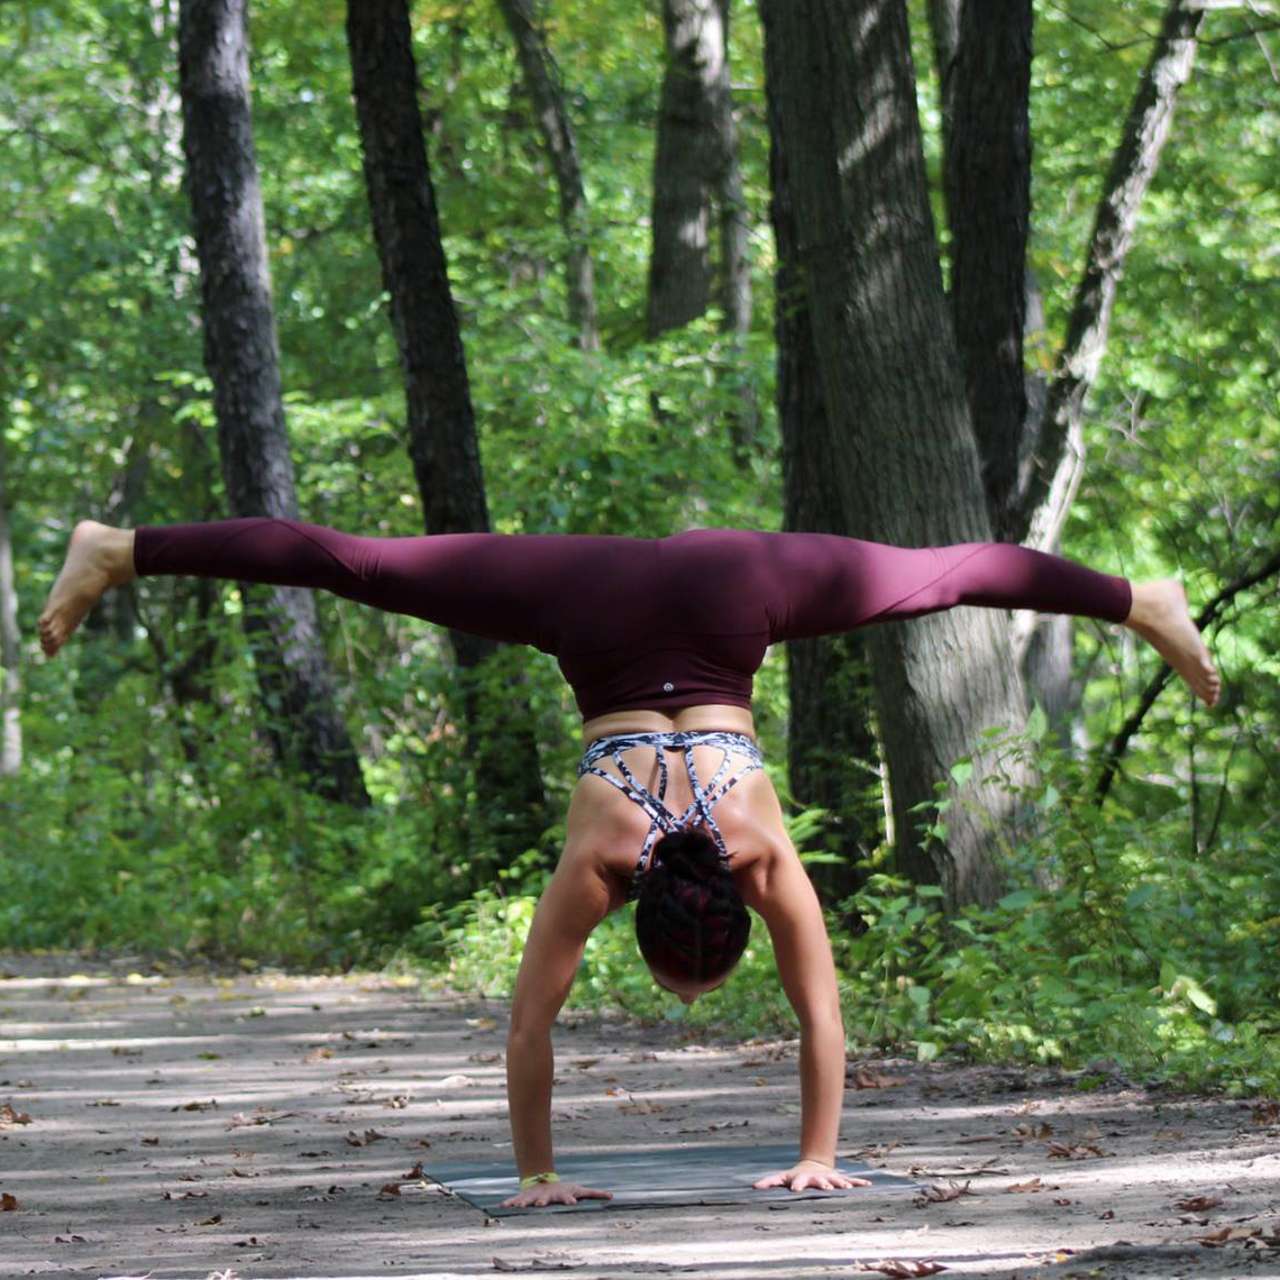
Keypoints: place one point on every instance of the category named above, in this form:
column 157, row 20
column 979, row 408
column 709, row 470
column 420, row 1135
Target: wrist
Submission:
column 826, row 1164
column 533, row 1179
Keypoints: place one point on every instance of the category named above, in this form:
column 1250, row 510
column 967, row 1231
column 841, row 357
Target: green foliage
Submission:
column 1121, row 940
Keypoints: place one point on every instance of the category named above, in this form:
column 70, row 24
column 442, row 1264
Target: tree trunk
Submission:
column 1051, row 461
column 10, row 640
column 988, row 187
column 242, row 358
column 442, row 435
column 900, row 449
column 735, row 257
column 541, row 82
column 686, row 160
column 832, row 756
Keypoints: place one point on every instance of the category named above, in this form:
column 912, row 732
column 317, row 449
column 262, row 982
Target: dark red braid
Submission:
column 691, row 923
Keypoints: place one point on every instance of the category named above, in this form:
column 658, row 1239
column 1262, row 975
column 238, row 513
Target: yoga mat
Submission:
column 650, row 1179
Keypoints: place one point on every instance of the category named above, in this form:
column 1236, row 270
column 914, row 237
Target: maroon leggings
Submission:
column 664, row 622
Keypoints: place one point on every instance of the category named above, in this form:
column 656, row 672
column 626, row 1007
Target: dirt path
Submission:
column 179, row 1126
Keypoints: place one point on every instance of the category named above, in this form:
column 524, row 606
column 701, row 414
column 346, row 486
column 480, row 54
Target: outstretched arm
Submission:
column 791, row 910
column 575, row 900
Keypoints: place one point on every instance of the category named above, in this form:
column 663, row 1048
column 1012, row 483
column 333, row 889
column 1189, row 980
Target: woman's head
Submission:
column 691, row 923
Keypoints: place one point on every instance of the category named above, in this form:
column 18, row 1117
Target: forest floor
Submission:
column 244, row 1127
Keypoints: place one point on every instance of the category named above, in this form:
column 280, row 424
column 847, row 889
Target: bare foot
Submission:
column 1161, row 617
column 98, row 557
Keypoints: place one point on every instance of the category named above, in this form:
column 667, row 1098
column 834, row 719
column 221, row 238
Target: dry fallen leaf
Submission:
column 865, row 1078
column 1107, row 1215
column 1061, row 1201
column 484, row 1057
column 9, row 1116
column 585, row 1064
column 8, row 1203
column 1039, row 1131
column 1216, row 1239
column 482, row 1024
column 1033, row 1184
column 1073, row 1150
column 897, row 1268
column 389, row 1189
column 363, row 1140
column 1197, row 1204
column 318, row 1055
column 196, row 1106
column 935, row 1193
column 210, row 1222
column 1267, row 1112
column 641, row 1107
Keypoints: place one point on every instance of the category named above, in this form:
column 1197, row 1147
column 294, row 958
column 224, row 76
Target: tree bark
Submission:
column 987, row 177
column 241, row 355
column 10, row 640
column 832, row 753
column 735, row 257
column 442, row 434
column 685, row 164
column 1050, row 463
column 541, row 82
column 900, row 447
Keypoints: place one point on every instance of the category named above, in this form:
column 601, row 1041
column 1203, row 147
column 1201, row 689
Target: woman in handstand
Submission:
column 659, row 639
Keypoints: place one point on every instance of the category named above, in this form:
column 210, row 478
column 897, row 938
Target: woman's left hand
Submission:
column 810, row 1175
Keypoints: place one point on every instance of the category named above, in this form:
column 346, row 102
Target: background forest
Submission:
column 684, row 297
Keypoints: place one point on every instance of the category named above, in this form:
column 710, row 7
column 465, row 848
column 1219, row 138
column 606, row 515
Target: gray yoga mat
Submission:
column 651, row 1179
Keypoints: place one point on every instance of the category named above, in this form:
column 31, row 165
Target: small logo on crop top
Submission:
column 668, row 687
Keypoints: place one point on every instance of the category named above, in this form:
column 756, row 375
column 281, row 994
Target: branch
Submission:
column 1133, row 167
column 1208, row 616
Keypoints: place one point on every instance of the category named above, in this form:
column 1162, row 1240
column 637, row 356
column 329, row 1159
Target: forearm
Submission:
column 822, row 1068
column 530, row 1070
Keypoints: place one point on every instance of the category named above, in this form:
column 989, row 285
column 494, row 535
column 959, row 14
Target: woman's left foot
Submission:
column 98, row 557
column 1161, row 617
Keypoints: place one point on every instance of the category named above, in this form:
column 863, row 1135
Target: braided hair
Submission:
column 691, row 923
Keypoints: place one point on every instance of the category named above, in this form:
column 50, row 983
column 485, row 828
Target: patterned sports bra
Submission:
column 661, row 820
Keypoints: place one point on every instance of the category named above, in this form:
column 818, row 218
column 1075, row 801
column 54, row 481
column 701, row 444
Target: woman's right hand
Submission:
column 543, row 1193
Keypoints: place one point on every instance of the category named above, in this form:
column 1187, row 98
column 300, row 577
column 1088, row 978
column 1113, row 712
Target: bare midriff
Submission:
column 711, row 717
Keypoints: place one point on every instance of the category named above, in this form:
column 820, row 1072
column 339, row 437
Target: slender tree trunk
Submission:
column 542, row 84
column 735, row 256
column 442, row 435
column 1051, row 462
column 242, row 358
column 10, row 641
column 686, row 160
column 901, row 452
column 832, row 756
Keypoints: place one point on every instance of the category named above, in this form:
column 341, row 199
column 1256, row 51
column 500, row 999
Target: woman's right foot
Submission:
column 98, row 557
column 1160, row 616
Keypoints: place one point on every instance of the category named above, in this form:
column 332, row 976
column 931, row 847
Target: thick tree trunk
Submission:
column 1051, row 462
column 242, row 358
column 442, row 435
column 988, row 186
column 900, row 447
column 685, row 164
column 541, row 82
column 10, row 640
column 832, row 756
